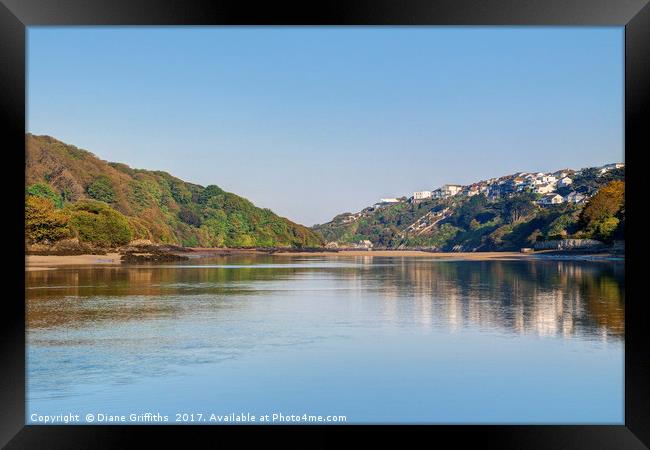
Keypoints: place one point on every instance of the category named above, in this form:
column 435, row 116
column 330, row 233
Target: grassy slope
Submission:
column 160, row 207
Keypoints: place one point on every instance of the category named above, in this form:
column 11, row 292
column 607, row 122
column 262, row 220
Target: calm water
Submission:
column 375, row 339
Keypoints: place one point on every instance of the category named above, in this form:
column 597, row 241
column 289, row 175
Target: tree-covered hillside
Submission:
column 478, row 223
column 72, row 193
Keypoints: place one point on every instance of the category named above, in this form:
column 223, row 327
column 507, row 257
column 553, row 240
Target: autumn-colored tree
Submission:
column 43, row 222
column 603, row 212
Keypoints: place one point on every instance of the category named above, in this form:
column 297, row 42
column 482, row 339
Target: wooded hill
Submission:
column 72, row 193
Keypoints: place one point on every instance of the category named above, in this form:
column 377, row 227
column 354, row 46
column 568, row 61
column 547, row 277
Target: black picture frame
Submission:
column 634, row 15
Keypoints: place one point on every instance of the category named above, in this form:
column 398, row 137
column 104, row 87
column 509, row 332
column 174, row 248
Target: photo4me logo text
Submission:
column 195, row 418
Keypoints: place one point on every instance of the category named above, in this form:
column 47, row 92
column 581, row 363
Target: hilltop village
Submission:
column 508, row 212
column 549, row 186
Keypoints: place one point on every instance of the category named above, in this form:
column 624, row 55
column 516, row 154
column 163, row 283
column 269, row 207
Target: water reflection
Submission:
column 547, row 298
column 378, row 339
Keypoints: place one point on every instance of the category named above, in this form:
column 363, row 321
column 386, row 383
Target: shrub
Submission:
column 100, row 224
column 606, row 227
column 559, row 227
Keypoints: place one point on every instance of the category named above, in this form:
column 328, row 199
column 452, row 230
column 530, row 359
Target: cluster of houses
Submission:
column 364, row 244
column 544, row 184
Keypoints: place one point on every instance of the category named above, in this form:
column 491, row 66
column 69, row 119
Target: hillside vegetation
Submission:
column 70, row 193
column 476, row 223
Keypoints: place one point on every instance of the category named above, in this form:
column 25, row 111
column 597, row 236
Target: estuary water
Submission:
column 374, row 339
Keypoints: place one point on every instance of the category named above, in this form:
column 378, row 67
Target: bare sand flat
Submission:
column 38, row 262
column 403, row 253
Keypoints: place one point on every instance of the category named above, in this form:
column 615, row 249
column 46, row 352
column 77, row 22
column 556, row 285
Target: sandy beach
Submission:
column 38, row 262
column 471, row 256
column 412, row 253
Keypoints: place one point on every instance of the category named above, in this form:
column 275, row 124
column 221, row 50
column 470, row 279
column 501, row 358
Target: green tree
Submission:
column 101, row 189
column 44, row 190
column 534, row 236
column 606, row 227
column 470, row 210
column 519, row 207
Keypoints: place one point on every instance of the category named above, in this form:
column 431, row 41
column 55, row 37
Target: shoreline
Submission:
column 52, row 262
column 409, row 253
column 468, row 256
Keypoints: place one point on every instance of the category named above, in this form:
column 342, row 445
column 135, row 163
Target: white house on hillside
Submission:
column 546, row 188
column 608, row 167
column 473, row 190
column 564, row 182
column 421, row 195
column 450, row 189
column 551, row 199
column 364, row 244
column 575, row 197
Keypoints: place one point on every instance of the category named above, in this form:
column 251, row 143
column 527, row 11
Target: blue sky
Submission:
column 315, row 121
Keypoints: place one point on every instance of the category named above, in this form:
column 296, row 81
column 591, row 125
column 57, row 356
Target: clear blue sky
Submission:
column 314, row 121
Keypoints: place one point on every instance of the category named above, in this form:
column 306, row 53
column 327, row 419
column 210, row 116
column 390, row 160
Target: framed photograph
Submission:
column 234, row 218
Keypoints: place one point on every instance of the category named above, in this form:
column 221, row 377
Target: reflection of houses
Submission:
column 547, row 300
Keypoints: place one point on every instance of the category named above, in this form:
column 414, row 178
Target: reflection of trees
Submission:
column 79, row 297
column 542, row 297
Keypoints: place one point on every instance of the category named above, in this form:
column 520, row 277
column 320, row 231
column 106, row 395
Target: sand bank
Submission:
column 38, row 262
column 417, row 253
